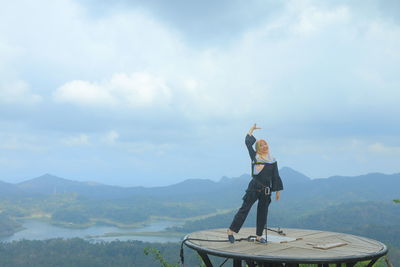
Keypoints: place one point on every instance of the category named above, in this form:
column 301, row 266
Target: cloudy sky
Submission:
column 155, row 92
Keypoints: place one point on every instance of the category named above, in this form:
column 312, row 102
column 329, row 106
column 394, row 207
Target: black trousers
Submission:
column 262, row 211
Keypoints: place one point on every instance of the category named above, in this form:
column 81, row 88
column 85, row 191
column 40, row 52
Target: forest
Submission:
column 335, row 204
column 78, row 252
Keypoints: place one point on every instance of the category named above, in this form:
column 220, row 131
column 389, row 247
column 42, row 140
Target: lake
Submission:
column 39, row 230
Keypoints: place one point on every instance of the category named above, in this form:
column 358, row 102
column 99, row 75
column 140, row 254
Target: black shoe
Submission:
column 231, row 238
column 262, row 240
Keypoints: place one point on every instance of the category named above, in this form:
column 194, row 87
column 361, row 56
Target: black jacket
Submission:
column 268, row 176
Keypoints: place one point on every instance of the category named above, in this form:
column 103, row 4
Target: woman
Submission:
column 265, row 179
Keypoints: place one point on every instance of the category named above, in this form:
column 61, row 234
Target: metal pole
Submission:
column 205, row 259
column 250, row 263
column 237, row 263
column 372, row 263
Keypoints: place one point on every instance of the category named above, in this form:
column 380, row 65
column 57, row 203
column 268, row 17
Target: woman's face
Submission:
column 262, row 146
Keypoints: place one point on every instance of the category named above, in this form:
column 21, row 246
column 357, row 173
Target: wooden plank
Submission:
column 328, row 253
column 351, row 251
column 355, row 246
column 359, row 242
column 243, row 249
column 300, row 253
column 345, row 250
column 321, row 235
column 304, row 233
column 326, row 246
column 363, row 241
column 260, row 251
column 268, row 252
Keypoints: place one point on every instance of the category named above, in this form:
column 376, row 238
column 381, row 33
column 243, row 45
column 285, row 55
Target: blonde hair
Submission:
column 258, row 145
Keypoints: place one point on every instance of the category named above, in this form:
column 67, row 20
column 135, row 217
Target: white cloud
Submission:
column 84, row 93
column 135, row 90
column 140, row 89
column 7, row 163
column 315, row 76
column 134, row 147
column 111, row 137
column 20, row 142
column 80, row 140
column 141, row 148
column 384, row 149
column 311, row 63
column 18, row 93
column 72, row 42
column 283, row 60
column 312, row 19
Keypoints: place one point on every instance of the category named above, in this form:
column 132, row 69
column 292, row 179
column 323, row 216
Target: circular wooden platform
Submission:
column 298, row 246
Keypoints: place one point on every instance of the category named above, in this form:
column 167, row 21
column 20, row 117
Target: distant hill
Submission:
column 293, row 177
column 11, row 190
column 369, row 187
column 49, row 184
column 372, row 186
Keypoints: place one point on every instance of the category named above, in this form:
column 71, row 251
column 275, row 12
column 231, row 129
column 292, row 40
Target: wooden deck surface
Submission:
column 300, row 247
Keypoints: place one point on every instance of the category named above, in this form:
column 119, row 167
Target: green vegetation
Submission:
column 159, row 257
column 71, row 216
column 315, row 206
column 78, row 252
column 72, row 211
column 8, row 226
column 379, row 221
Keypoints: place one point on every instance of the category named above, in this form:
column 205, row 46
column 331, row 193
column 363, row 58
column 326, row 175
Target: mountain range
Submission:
column 372, row 186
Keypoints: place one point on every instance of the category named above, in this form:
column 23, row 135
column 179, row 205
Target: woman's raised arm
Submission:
column 254, row 127
column 250, row 140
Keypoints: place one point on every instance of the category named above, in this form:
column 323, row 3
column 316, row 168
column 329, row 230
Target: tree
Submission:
column 159, row 257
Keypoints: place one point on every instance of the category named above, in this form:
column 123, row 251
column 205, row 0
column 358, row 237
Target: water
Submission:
column 39, row 230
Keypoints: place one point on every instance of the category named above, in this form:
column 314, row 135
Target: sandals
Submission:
column 262, row 240
column 231, row 238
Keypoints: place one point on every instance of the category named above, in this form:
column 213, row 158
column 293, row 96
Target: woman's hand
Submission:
column 278, row 195
column 254, row 127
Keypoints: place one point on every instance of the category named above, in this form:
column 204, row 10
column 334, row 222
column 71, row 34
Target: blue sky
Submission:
column 156, row 92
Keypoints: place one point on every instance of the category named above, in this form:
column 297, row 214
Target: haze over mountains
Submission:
column 360, row 205
column 372, row 186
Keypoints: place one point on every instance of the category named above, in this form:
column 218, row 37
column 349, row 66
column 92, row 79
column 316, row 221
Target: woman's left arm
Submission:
column 277, row 184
